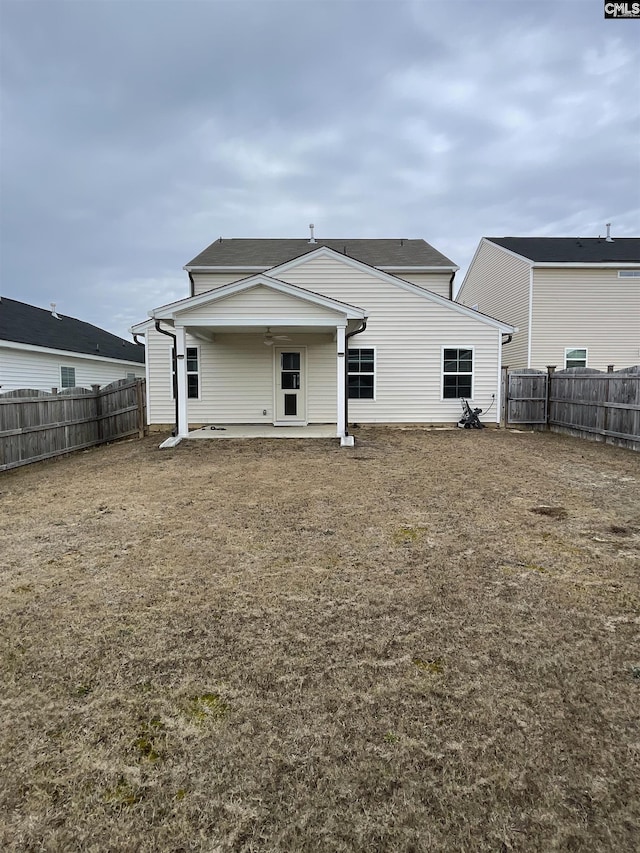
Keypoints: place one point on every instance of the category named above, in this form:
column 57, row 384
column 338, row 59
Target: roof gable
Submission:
column 241, row 253
column 226, row 290
column 25, row 324
column 389, row 278
column 572, row 250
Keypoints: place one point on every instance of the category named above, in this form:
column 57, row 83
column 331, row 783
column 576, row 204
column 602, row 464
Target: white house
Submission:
column 43, row 350
column 576, row 300
column 299, row 332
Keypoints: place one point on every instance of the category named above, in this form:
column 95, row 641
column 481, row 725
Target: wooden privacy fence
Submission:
column 579, row 401
column 35, row 425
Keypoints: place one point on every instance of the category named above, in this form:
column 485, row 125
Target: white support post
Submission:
column 340, row 382
column 181, row 373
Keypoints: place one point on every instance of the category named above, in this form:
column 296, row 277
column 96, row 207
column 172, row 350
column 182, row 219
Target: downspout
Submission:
column 346, row 372
column 508, row 341
column 174, row 362
column 135, row 340
column 453, row 275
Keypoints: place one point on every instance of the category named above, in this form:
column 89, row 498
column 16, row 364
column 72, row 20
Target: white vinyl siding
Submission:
column 260, row 302
column 41, row 371
column 498, row 283
column 585, row 308
column 236, row 375
column 406, row 330
column 433, row 281
column 204, row 281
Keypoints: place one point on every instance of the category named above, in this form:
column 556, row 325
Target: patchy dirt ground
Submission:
column 428, row 642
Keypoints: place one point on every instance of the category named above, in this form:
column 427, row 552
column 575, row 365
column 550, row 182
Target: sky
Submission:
column 133, row 133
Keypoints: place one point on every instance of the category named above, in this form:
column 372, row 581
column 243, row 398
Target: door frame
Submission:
column 303, row 381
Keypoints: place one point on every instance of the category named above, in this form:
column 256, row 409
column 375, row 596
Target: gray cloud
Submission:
column 135, row 133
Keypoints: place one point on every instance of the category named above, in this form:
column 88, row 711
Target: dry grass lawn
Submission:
column 428, row 642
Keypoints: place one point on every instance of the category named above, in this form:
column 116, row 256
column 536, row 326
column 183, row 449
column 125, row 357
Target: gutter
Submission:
column 174, row 362
column 346, row 372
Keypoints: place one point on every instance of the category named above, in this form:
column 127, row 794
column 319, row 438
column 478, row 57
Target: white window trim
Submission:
column 192, row 372
column 199, row 372
column 444, row 399
column 571, row 349
column 375, row 376
column 68, row 367
column 628, row 273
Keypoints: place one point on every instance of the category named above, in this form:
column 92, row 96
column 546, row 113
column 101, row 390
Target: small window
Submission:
column 131, row 376
column 67, row 377
column 457, row 373
column 628, row 273
column 361, row 369
column 575, row 358
column 193, row 374
column 193, row 377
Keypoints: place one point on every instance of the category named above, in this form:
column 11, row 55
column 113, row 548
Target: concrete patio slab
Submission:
column 264, row 431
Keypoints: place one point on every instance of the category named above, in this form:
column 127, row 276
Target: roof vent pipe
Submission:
column 609, row 238
column 53, row 310
column 311, row 227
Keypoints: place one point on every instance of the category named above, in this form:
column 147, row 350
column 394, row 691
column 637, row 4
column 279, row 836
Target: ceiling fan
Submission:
column 269, row 339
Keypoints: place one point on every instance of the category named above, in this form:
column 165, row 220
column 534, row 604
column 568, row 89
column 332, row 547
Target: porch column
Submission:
column 340, row 384
column 181, row 375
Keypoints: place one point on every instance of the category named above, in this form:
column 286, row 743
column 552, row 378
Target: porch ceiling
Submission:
column 278, row 329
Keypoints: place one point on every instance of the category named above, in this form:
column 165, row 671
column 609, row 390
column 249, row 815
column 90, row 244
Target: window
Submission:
column 361, row 369
column 67, row 377
column 628, row 273
column 193, row 377
column 457, row 373
column 575, row 358
column 131, row 376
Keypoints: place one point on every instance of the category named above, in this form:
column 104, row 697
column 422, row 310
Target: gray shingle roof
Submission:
column 573, row 250
column 26, row 324
column 234, row 252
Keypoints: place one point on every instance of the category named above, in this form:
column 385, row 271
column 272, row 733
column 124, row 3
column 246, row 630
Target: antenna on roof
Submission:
column 313, row 239
column 53, row 310
column 609, row 238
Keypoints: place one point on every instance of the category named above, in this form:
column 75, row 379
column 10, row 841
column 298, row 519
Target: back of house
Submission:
column 306, row 331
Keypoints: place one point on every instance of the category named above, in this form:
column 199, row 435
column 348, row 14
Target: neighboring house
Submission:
column 576, row 301
column 43, row 350
column 292, row 332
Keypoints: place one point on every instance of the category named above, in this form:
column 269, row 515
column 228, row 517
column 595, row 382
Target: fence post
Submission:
column 504, row 397
column 140, row 399
column 551, row 369
column 610, row 368
column 96, row 391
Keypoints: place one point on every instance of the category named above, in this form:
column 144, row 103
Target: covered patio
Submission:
column 263, row 431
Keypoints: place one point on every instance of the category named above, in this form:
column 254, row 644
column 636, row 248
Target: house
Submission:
column 300, row 332
column 576, row 301
column 42, row 350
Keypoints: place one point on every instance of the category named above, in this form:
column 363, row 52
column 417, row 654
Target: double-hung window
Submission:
column 193, row 373
column 362, row 373
column 67, row 377
column 575, row 358
column 192, row 358
column 457, row 372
